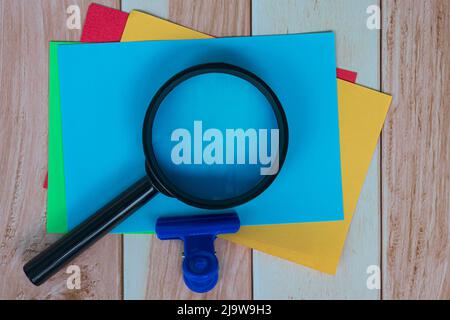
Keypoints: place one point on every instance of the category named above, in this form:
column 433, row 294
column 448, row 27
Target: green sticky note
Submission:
column 56, row 196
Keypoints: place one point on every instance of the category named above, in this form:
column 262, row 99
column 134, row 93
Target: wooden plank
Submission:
column 158, row 8
column 137, row 248
column 26, row 27
column 358, row 49
column 416, row 150
column 219, row 18
column 153, row 267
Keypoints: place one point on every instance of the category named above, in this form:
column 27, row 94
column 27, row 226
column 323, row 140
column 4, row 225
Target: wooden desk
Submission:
column 402, row 220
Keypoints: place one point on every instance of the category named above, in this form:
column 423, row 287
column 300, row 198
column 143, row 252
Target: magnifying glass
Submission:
column 215, row 136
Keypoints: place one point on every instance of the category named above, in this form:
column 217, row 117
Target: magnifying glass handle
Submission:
column 51, row 260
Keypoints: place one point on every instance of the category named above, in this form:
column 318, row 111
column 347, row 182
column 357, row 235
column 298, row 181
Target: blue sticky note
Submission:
column 105, row 90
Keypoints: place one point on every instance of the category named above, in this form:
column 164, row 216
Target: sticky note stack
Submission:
column 101, row 91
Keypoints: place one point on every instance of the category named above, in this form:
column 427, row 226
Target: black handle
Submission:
column 51, row 260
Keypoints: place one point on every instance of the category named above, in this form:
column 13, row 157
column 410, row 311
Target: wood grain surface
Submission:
column 358, row 49
column 153, row 267
column 401, row 224
column 26, row 27
column 416, row 150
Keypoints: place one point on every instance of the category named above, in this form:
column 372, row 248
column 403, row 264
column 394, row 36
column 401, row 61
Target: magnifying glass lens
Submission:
column 213, row 135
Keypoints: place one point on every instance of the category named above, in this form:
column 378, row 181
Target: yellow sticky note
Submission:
column 143, row 27
column 362, row 112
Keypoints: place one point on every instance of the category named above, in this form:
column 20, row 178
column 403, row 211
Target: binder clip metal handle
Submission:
column 200, row 264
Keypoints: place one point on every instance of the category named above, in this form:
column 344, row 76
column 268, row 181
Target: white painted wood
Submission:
column 137, row 248
column 358, row 49
column 158, row 8
column 136, row 261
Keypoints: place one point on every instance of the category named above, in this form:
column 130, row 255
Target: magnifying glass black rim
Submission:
column 163, row 184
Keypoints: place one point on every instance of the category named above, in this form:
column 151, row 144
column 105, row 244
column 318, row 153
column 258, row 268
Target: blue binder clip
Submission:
column 200, row 264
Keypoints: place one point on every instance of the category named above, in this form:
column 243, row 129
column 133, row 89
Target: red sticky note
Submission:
column 103, row 24
column 346, row 75
column 45, row 184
